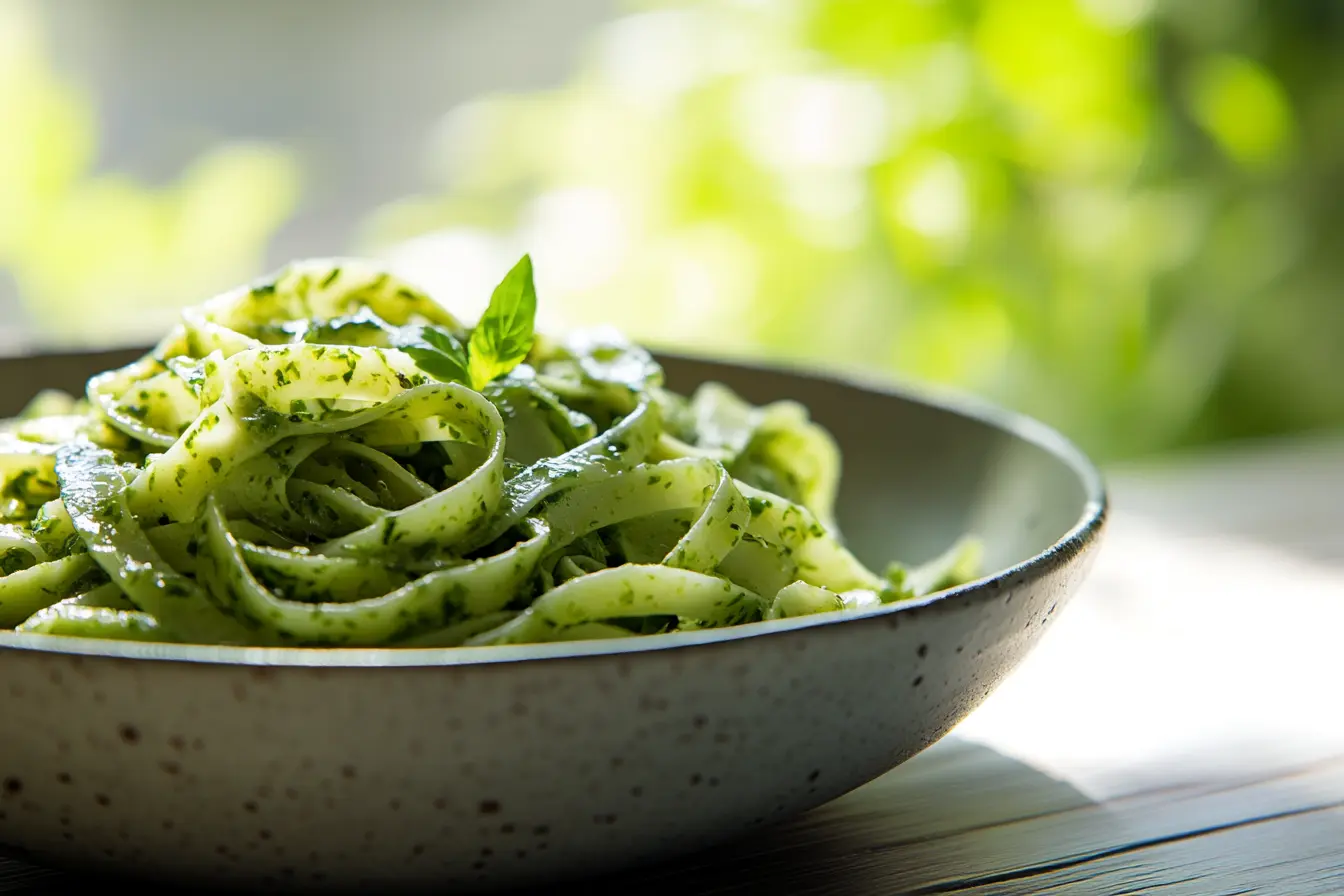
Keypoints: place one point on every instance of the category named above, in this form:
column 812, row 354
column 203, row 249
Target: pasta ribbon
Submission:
column 304, row 461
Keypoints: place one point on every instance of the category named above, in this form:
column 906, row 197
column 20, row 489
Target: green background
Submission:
column 1121, row 216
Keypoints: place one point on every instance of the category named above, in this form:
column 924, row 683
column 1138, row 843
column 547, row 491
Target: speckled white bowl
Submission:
column 503, row 766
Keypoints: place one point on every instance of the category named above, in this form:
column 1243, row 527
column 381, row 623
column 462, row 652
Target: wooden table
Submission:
column 1180, row 730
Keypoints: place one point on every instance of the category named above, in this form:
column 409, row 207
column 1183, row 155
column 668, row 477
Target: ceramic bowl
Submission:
column 494, row 767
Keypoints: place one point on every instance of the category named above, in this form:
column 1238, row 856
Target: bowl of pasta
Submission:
column 330, row 589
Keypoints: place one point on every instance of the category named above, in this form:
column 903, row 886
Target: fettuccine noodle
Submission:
column 281, row 470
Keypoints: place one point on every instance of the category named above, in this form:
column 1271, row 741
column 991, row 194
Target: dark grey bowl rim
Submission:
column 1082, row 535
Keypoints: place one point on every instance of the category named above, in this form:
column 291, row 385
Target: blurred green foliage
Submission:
column 1118, row 215
column 85, row 246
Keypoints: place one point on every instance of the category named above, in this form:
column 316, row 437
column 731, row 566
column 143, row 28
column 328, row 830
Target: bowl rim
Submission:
column 1084, row 532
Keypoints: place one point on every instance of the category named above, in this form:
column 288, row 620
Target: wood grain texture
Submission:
column 1296, row 853
column 1025, row 838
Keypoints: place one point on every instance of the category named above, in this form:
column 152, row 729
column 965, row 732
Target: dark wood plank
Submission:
column 846, row 849
column 1297, row 854
column 18, row 877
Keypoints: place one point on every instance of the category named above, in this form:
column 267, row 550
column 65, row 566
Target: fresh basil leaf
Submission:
column 504, row 335
column 437, row 352
column 446, row 343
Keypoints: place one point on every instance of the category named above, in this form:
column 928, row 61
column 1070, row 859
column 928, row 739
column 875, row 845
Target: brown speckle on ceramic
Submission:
column 466, row 770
